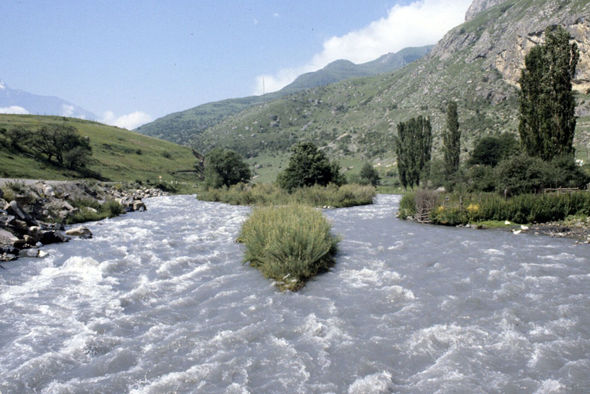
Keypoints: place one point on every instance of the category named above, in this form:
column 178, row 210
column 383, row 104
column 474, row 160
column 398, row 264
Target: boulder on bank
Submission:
column 7, row 238
column 12, row 208
column 36, row 211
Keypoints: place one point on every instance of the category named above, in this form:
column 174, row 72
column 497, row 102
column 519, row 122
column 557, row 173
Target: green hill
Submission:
column 181, row 127
column 117, row 154
column 476, row 64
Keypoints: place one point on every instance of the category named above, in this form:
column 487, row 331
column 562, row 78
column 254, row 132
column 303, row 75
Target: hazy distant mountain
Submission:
column 343, row 69
column 181, row 127
column 20, row 102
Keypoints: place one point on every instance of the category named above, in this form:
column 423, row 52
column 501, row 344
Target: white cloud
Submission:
column 13, row 109
column 420, row 23
column 129, row 121
column 67, row 110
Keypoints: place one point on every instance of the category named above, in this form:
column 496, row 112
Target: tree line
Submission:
column 544, row 156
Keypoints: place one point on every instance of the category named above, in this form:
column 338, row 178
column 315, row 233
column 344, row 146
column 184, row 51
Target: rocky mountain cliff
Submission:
column 476, row 64
column 479, row 6
column 494, row 36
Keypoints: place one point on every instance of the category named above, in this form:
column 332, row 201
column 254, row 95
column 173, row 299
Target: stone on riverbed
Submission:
column 81, row 231
column 51, row 237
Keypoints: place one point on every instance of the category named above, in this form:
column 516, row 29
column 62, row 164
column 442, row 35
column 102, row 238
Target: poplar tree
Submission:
column 413, row 145
column 452, row 140
column 547, row 103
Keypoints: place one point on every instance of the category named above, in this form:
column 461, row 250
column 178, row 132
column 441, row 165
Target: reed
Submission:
column 462, row 208
column 268, row 194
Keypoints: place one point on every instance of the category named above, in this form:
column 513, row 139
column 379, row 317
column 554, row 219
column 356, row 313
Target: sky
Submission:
column 132, row 61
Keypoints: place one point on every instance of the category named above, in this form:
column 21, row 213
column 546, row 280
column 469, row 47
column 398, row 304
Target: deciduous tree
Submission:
column 452, row 141
column 547, row 103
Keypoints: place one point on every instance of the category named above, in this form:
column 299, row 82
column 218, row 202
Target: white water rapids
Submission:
column 160, row 302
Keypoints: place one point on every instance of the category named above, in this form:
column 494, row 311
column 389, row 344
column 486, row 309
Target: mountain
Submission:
column 343, row 69
column 181, row 127
column 476, row 64
column 21, row 102
column 117, row 154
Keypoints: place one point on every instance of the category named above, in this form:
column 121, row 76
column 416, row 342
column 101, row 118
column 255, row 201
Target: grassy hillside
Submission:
column 181, row 127
column 117, row 154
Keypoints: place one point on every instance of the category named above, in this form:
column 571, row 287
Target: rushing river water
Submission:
column 160, row 302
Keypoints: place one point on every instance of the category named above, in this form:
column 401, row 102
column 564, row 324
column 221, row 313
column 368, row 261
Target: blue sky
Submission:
column 132, row 61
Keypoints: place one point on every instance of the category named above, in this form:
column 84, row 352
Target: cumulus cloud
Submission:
column 129, row 121
column 420, row 23
column 67, row 110
column 13, row 109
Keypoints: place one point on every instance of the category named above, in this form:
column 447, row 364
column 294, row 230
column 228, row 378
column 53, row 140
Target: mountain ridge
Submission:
column 181, row 126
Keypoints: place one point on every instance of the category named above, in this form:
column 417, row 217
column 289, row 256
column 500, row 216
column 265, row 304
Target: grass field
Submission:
column 117, row 154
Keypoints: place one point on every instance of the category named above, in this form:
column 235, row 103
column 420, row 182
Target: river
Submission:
column 159, row 301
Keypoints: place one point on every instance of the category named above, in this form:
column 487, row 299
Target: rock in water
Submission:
column 51, row 237
column 81, row 231
column 138, row 205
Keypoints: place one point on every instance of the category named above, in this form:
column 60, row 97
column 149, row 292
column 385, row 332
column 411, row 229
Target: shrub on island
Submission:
column 288, row 244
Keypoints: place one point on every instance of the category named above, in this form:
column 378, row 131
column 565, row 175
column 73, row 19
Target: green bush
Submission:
column 90, row 210
column 407, row 205
column 522, row 174
column 289, row 244
column 491, row 150
column 309, row 166
column 369, row 175
column 224, row 167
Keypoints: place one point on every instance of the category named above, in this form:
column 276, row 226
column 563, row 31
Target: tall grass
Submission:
column 289, row 244
column 91, row 210
column 454, row 208
column 267, row 194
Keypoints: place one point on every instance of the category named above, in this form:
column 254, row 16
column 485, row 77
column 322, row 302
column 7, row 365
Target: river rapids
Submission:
column 161, row 302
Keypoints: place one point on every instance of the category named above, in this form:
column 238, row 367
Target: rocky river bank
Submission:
column 34, row 213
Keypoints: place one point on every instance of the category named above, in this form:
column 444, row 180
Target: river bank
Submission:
column 562, row 215
column 35, row 212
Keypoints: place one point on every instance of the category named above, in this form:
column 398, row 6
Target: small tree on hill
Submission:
column 413, row 146
column 452, row 141
column 61, row 144
column 309, row 166
column 547, row 103
column 224, row 167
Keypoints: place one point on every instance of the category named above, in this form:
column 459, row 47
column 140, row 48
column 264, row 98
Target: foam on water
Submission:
column 161, row 302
